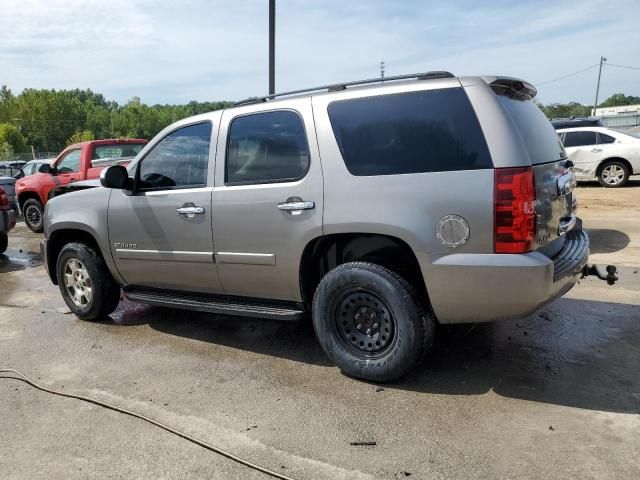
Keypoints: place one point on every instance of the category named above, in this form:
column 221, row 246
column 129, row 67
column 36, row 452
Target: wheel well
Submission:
column 23, row 197
column 327, row 252
column 58, row 239
column 621, row 160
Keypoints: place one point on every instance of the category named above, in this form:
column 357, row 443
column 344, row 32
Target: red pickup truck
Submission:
column 81, row 161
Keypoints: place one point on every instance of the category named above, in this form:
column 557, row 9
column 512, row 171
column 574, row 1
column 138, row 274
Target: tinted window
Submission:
column 267, row 147
column 179, row 160
column 537, row 133
column 579, row 139
column 426, row 131
column 602, row 138
column 70, row 162
column 116, row 150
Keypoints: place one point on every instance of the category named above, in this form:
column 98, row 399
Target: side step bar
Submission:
column 218, row 304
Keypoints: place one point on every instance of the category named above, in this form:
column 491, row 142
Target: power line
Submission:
column 568, row 75
column 622, row 66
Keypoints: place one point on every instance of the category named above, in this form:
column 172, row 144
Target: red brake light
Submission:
column 515, row 210
column 4, row 200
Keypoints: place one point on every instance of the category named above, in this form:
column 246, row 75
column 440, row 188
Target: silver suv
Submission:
column 380, row 208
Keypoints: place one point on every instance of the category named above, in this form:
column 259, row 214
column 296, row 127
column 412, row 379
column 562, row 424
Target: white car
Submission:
column 600, row 153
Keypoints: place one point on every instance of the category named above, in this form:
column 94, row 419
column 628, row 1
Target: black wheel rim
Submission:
column 33, row 216
column 365, row 324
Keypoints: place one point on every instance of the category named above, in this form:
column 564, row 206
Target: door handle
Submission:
column 295, row 207
column 190, row 212
column 596, row 150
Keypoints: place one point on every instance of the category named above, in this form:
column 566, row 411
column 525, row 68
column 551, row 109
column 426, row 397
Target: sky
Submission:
column 176, row 51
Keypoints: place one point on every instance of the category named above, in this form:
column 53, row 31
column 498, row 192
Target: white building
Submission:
column 612, row 111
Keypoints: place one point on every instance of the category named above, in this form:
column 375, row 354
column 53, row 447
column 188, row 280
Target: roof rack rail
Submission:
column 342, row 86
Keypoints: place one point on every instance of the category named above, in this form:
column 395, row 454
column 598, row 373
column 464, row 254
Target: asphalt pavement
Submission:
column 555, row 395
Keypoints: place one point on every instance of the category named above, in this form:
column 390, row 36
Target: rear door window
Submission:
column 424, row 131
column 266, row 148
column 579, row 139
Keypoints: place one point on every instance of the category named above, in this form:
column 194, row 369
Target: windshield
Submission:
column 539, row 136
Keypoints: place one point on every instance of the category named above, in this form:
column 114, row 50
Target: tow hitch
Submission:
column 611, row 277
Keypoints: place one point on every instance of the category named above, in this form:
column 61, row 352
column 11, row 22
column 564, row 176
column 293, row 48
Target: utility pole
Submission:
column 272, row 47
column 595, row 103
column 382, row 69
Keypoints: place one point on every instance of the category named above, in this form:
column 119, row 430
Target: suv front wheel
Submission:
column 86, row 283
column 371, row 322
column 32, row 211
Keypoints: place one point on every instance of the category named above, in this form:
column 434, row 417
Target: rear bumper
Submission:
column 7, row 220
column 469, row 288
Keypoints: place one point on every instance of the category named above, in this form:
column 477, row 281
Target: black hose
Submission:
column 23, row 378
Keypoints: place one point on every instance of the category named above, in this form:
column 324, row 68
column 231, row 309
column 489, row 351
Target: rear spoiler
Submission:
column 512, row 87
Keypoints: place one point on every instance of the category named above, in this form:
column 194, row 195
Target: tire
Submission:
column 613, row 174
column 4, row 242
column 32, row 211
column 87, row 270
column 347, row 303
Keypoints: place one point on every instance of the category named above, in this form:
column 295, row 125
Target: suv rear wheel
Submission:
column 371, row 322
column 85, row 282
column 613, row 173
column 32, row 211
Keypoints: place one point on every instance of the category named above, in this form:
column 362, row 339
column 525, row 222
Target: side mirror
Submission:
column 115, row 176
column 45, row 168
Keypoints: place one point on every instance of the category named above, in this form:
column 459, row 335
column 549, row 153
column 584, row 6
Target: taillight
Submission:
column 515, row 210
column 4, row 200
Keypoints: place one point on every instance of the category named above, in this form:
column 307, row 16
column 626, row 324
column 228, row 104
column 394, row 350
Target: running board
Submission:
column 218, row 304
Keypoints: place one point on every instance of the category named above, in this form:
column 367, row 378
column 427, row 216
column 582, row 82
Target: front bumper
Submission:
column 469, row 288
column 44, row 251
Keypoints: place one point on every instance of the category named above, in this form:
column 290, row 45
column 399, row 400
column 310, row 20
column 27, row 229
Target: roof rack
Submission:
column 343, row 86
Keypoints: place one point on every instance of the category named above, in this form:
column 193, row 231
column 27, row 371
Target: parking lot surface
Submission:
column 556, row 395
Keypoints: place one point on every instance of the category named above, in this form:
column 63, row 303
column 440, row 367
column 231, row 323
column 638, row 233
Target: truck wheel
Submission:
column 371, row 322
column 86, row 283
column 4, row 242
column 613, row 173
column 32, row 211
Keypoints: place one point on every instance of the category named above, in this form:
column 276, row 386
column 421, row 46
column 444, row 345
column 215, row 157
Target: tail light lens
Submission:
column 4, row 200
column 515, row 210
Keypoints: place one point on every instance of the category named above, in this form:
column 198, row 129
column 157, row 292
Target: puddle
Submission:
column 13, row 260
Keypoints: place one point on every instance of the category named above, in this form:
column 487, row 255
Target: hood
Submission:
column 75, row 187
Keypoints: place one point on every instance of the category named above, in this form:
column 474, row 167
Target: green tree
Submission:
column 619, row 100
column 80, row 136
column 6, row 151
column 10, row 135
column 566, row 110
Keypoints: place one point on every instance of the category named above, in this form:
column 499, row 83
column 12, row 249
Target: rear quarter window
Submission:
column 424, row 131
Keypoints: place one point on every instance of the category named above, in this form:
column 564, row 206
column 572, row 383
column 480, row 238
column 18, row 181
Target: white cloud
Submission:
column 175, row 51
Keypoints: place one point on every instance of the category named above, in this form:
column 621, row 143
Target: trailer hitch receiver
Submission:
column 610, row 277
